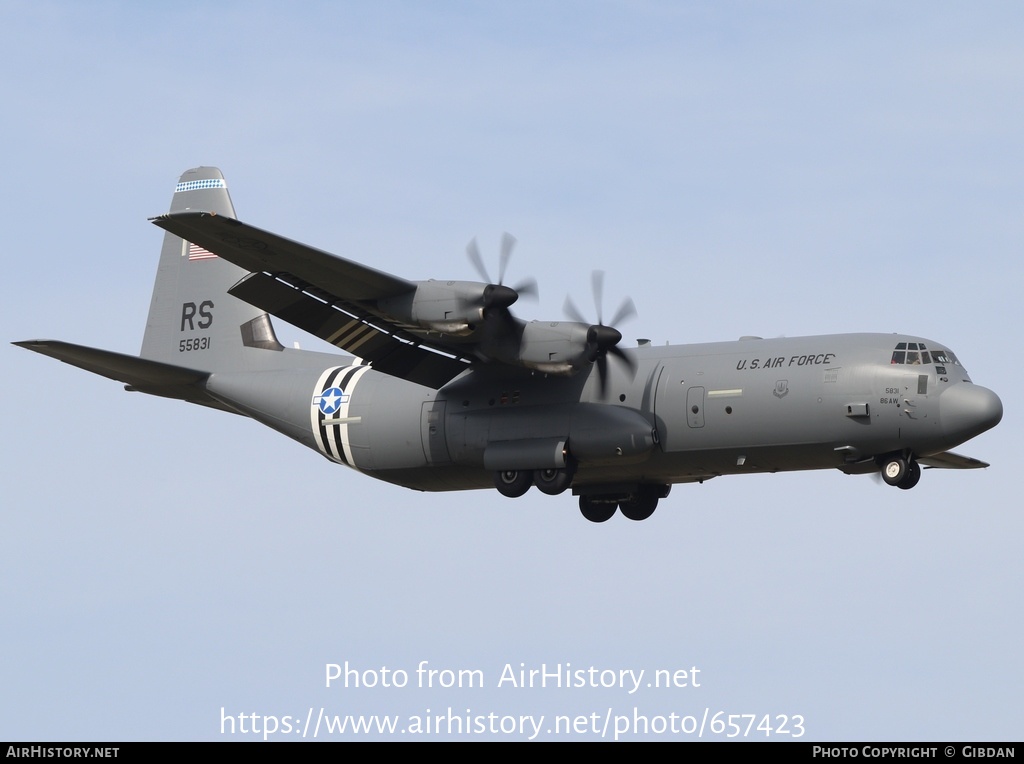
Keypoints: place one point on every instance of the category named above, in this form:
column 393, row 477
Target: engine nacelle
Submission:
column 461, row 308
column 555, row 347
column 448, row 307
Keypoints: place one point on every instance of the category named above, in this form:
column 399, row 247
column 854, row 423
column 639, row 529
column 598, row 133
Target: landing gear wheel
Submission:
column 894, row 469
column 513, row 483
column 910, row 479
column 639, row 506
column 553, row 481
column 596, row 511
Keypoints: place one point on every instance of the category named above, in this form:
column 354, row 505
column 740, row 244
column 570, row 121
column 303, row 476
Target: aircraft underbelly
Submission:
column 698, row 465
column 450, row 478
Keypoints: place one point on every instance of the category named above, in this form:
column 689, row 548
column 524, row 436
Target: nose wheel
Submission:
column 900, row 472
column 894, row 470
column 913, row 475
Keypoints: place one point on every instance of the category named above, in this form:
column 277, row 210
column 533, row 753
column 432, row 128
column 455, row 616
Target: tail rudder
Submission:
column 193, row 321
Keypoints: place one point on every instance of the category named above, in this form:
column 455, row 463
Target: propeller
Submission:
column 497, row 295
column 603, row 339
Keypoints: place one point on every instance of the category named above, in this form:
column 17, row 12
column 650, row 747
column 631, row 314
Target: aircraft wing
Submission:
column 323, row 294
column 257, row 250
column 950, row 461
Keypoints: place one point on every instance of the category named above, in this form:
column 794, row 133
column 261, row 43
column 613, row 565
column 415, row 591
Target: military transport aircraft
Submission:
column 446, row 390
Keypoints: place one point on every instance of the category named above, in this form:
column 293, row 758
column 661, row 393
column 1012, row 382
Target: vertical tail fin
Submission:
column 193, row 321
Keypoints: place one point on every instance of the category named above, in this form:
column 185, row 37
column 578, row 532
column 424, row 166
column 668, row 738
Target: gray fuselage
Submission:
column 690, row 412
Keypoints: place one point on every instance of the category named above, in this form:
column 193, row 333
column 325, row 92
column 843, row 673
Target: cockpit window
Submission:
column 917, row 353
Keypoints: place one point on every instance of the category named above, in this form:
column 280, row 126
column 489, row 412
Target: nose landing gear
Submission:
column 902, row 472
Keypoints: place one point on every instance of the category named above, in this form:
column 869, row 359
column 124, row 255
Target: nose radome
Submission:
column 967, row 410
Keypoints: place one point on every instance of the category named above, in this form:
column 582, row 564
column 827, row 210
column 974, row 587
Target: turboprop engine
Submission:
column 448, row 307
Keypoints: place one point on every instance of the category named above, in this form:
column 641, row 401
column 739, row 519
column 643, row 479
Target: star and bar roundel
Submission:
column 329, row 418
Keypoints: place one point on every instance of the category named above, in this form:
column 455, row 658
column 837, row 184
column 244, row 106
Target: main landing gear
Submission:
column 554, row 481
column 598, row 509
column 901, row 471
column 636, row 505
column 514, row 483
column 636, row 502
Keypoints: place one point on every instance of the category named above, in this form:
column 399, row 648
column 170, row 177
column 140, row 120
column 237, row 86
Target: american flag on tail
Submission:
column 195, row 252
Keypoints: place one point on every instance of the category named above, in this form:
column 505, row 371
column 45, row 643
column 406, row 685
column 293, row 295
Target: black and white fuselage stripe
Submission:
column 329, row 412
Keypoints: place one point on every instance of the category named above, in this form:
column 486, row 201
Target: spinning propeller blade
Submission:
column 497, row 295
column 603, row 339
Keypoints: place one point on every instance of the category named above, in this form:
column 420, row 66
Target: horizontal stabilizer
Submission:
column 136, row 373
column 950, row 461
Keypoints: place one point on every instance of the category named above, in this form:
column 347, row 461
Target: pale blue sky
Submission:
column 737, row 168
